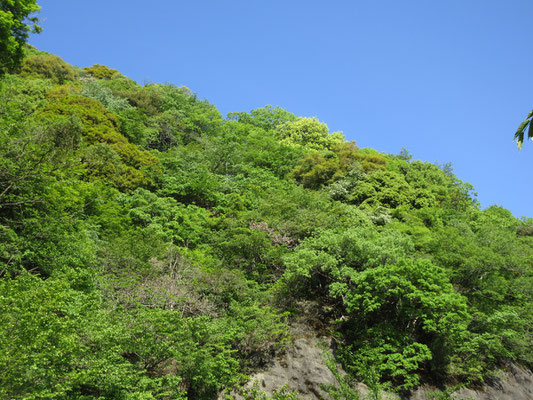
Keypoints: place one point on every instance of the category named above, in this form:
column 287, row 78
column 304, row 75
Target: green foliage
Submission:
column 416, row 312
column 447, row 394
column 198, row 116
column 252, row 250
column 151, row 249
column 267, row 118
column 15, row 26
column 109, row 156
column 310, row 133
column 180, row 224
column 68, row 342
column 399, row 314
column 519, row 135
column 253, row 392
column 146, row 99
column 321, row 168
column 29, row 50
column 371, row 160
column 384, row 187
column 47, row 66
column 242, row 144
column 101, row 71
column 98, row 121
column 132, row 123
column 93, row 89
column 203, row 360
column 19, row 100
column 257, row 332
column 327, row 259
column 58, row 343
column 187, row 177
column 33, row 157
column 295, row 211
column 344, row 389
column 166, row 130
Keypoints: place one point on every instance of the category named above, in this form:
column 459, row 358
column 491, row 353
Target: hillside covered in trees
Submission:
column 151, row 248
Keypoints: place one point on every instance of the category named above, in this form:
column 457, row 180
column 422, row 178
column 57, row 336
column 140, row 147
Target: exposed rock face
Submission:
column 303, row 369
column 516, row 384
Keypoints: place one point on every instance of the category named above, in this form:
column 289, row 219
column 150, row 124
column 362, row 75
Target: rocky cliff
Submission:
column 303, row 370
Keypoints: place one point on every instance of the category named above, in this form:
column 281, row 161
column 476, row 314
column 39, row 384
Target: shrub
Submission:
column 47, row 66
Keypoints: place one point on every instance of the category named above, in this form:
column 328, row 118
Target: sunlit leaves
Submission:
column 16, row 23
column 520, row 132
column 310, row 133
column 47, row 66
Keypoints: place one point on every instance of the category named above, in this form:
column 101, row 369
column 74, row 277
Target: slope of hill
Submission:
column 151, row 248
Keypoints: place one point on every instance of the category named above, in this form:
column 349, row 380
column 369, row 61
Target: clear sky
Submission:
column 450, row 81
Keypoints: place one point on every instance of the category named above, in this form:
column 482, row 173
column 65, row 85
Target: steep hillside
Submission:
column 152, row 249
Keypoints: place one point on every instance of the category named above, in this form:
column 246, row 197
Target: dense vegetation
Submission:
column 16, row 23
column 152, row 249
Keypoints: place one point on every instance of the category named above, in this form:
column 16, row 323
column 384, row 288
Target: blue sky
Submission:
column 450, row 81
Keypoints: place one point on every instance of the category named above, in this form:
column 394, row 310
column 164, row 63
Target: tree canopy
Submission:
column 152, row 249
column 520, row 132
column 16, row 23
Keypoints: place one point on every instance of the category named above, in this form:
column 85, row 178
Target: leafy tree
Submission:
column 325, row 167
column 133, row 124
column 57, row 342
column 165, row 130
column 183, row 225
column 412, row 315
column 15, row 26
column 519, row 135
column 35, row 155
column 146, row 99
column 247, row 143
column 199, row 117
column 387, row 188
column 144, row 240
column 267, row 118
column 20, row 98
column 101, row 71
column 93, row 89
column 47, row 66
column 187, row 177
column 309, row 132
column 109, row 155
